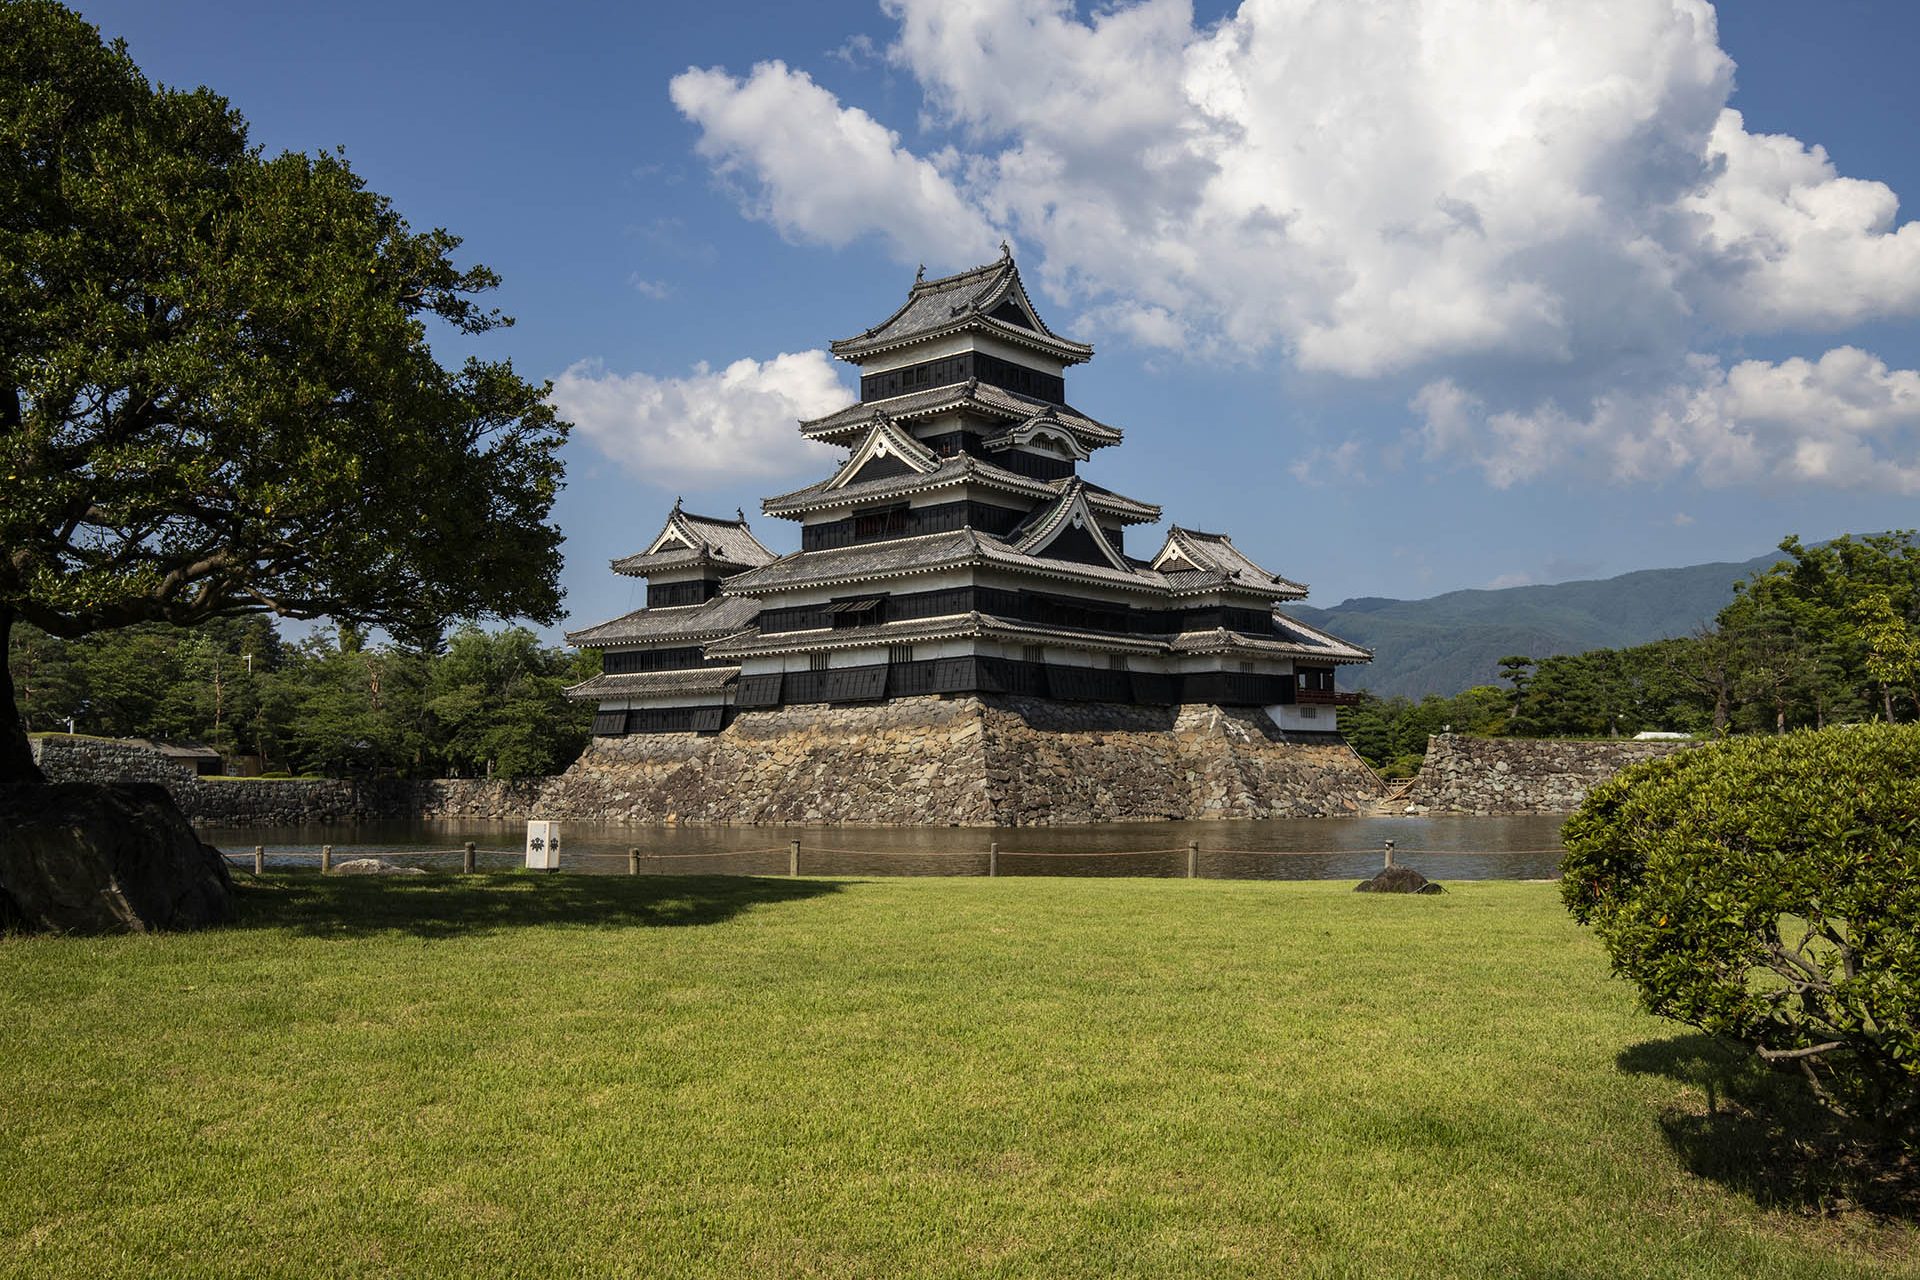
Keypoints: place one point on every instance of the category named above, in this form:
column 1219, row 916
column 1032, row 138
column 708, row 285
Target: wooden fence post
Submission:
column 466, row 858
column 993, row 858
column 793, row 857
column 1193, row 859
column 259, row 860
column 633, row 862
column 326, row 858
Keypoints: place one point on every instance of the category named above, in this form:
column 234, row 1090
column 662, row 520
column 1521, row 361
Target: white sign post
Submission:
column 543, row 846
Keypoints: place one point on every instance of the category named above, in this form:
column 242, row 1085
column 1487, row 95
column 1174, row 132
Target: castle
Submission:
column 963, row 635
column 958, row 549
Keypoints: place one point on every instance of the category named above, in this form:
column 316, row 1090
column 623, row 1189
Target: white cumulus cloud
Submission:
column 712, row 425
column 824, row 172
column 1545, row 213
column 1845, row 421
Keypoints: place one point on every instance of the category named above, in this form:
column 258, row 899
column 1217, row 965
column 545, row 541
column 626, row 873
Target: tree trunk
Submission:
column 16, row 758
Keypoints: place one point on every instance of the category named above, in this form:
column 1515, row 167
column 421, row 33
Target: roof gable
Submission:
column 1044, row 431
column 1069, row 523
column 689, row 539
column 972, row 396
column 1214, row 553
column 988, row 298
column 888, row 450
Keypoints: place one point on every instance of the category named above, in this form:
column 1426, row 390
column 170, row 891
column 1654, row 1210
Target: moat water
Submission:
column 1442, row 848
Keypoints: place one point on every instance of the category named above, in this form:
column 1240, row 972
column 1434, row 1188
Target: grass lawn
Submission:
column 567, row 1075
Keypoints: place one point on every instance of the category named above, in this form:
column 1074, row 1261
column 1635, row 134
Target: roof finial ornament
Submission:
column 740, row 514
column 1006, row 250
column 920, row 276
column 676, row 503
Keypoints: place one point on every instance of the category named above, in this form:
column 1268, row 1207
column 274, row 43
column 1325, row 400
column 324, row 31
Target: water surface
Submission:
column 1441, row 847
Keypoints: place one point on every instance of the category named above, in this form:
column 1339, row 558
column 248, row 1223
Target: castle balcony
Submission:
column 1324, row 698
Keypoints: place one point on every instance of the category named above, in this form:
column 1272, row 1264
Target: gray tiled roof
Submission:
column 980, row 397
column 641, row 683
column 952, row 625
column 1291, row 643
column 1216, row 552
column 957, row 470
column 1318, row 641
column 963, row 469
column 886, row 633
column 933, row 551
column 868, row 559
column 708, row 539
column 963, row 300
column 719, row 617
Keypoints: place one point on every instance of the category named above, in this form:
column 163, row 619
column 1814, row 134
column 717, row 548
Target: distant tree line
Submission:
column 331, row 704
column 1828, row 635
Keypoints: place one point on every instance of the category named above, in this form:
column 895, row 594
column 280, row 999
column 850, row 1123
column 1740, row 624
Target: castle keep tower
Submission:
column 958, row 550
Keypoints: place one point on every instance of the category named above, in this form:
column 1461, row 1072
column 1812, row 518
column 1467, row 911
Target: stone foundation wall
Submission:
column 968, row 761
column 68, row 758
column 227, row 802
column 1520, row 775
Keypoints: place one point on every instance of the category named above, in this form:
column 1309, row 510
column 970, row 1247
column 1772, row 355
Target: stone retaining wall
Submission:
column 968, row 761
column 972, row 761
column 1520, row 775
column 225, row 802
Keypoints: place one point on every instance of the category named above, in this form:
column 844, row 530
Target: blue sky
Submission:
column 1409, row 296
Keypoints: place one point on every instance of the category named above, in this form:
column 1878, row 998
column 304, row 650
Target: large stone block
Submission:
column 79, row 857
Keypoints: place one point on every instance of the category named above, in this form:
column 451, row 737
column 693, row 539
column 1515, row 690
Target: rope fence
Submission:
column 469, row 854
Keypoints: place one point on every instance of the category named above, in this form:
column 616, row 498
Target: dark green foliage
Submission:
column 1829, row 635
column 331, row 705
column 1391, row 733
column 1609, row 691
column 217, row 394
column 1767, row 889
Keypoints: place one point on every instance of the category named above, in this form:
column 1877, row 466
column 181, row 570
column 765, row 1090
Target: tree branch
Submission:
column 1790, row 1055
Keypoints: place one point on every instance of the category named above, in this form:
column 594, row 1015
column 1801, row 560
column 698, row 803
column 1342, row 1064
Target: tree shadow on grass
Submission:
column 1765, row 1135
column 450, row 907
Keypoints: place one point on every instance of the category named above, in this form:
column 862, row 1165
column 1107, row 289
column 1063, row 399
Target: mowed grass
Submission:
column 574, row 1076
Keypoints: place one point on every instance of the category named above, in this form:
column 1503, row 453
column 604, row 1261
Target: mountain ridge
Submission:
column 1453, row 641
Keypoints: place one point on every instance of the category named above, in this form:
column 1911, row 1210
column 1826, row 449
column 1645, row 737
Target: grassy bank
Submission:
column 600, row 1076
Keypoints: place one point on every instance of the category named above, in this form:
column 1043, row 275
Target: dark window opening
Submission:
column 866, row 611
column 883, row 522
column 901, row 521
column 621, row 662
column 1037, row 466
column 676, row 720
column 671, row 595
column 1006, row 374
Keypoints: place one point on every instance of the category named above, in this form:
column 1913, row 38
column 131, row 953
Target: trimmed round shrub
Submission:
column 1768, row 890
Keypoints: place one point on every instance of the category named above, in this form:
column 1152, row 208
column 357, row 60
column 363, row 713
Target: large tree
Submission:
column 217, row 393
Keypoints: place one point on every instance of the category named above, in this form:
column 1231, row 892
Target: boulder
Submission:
column 78, row 857
column 374, row 867
column 1398, row 880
